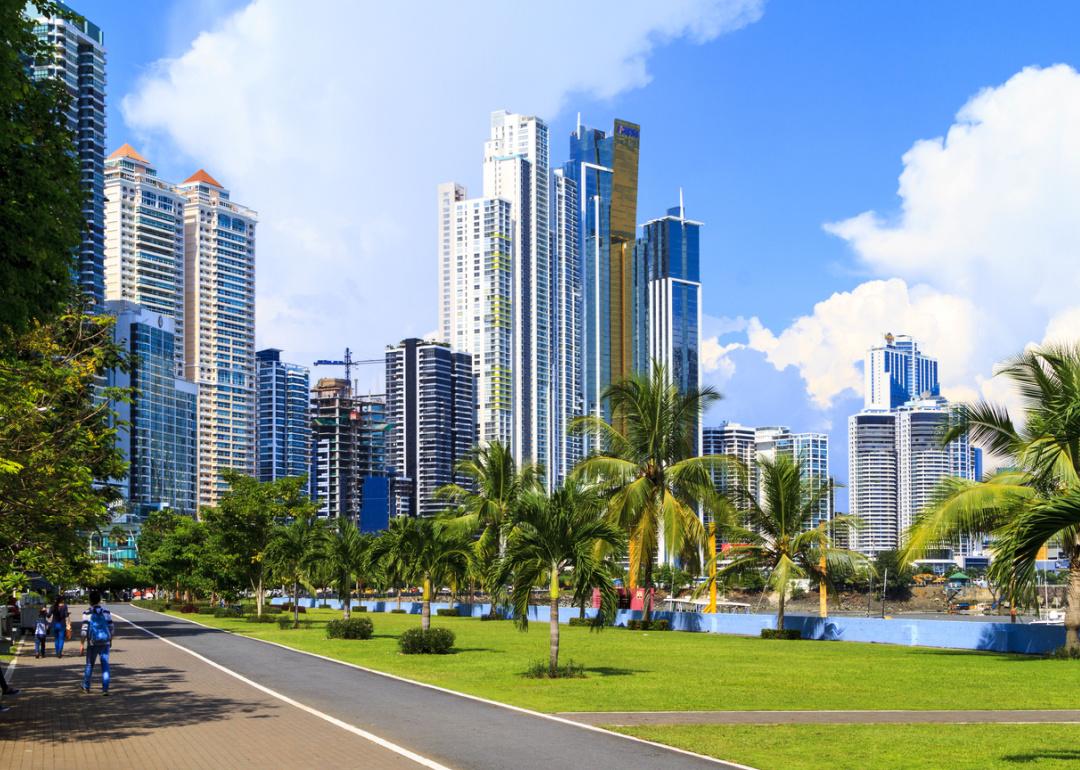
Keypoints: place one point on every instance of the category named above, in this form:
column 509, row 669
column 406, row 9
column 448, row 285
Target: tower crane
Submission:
column 348, row 362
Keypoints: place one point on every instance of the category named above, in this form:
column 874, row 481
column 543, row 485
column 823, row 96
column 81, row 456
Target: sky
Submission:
column 860, row 167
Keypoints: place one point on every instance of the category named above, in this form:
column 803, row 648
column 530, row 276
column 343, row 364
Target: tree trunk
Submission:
column 553, row 622
column 259, row 597
column 399, row 598
column 1072, row 605
column 425, row 606
column 296, row 603
column 780, row 610
column 581, row 610
column 647, row 614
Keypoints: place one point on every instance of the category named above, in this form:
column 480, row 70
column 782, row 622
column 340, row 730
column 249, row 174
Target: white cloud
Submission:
column 337, row 123
column 715, row 359
column 982, row 254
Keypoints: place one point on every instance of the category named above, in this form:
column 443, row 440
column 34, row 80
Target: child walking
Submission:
column 41, row 630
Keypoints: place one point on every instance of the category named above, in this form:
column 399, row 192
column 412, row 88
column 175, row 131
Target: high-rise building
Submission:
column 873, row 495
column 431, row 409
column 739, row 442
column 897, row 372
column 478, row 318
column 219, row 328
column 671, row 246
column 565, row 445
column 283, row 433
column 144, row 239
column 78, row 62
column 335, row 480
column 516, row 170
column 605, row 172
column 157, row 432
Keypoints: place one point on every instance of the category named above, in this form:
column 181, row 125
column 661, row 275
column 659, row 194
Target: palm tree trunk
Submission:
column 553, row 622
column 259, row 598
column 296, row 603
column 346, row 597
column 1072, row 606
column 425, row 606
column 780, row 610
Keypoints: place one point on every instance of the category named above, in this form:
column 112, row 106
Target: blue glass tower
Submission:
column 283, row 424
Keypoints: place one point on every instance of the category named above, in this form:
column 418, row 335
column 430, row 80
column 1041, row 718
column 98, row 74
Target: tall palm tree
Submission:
column 347, row 558
column 484, row 506
column 390, row 555
column 294, row 554
column 1035, row 500
column 553, row 534
column 647, row 462
column 779, row 535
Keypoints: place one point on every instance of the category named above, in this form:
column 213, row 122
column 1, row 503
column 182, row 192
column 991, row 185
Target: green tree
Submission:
column 246, row 519
column 175, row 550
column 486, row 504
column 57, row 441
column 1033, row 502
column 347, row 558
column 41, row 216
column 563, row 532
column 779, row 537
column 647, row 462
column 898, row 574
column 295, row 553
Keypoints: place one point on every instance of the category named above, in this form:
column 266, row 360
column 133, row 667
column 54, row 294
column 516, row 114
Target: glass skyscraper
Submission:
column 158, row 432
column 283, row 425
column 79, row 63
column 897, row 372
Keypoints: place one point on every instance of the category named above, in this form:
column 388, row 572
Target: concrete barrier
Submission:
column 951, row 634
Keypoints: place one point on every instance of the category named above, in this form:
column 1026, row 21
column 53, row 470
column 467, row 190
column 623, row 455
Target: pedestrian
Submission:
column 97, row 634
column 41, row 631
column 59, row 624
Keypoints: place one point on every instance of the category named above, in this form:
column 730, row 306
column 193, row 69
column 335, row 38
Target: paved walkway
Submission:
column 172, row 709
column 632, row 718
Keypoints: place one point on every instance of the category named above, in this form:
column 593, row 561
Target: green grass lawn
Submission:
column 666, row 671
column 883, row 747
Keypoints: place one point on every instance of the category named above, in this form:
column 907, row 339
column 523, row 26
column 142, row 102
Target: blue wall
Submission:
column 954, row 634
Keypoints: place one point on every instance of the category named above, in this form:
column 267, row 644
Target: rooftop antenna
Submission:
column 682, row 209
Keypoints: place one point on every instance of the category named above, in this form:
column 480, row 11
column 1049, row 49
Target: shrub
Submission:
column 648, row 625
column 590, row 622
column 289, row 608
column 434, row 641
column 798, row 593
column 569, row 670
column 260, row 619
column 447, row 612
column 230, row 611
column 496, row 616
column 286, row 622
column 188, row 608
column 359, row 608
column 324, row 606
column 207, row 610
column 353, row 628
column 269, row 609
column 397, row 612
column 776, row 633
column 1064, row 653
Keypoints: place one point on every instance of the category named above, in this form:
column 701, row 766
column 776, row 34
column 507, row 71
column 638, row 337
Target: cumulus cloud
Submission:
column 981, row 256
column 337, row 125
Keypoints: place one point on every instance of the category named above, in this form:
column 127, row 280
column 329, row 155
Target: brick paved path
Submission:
column 166, row 709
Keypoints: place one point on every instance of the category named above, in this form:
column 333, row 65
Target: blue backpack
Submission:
column 99, row 632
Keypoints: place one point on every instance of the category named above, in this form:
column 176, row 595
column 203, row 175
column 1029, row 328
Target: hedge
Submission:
column 353, row 628
column 434, row 641
column 260, row 619
column 286, row 622
column 778, row 633
column 447, row 612
column 397, row 612
column 591, row 622
column 648, row 625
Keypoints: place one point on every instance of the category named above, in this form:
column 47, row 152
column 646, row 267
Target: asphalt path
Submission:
column 451, row 729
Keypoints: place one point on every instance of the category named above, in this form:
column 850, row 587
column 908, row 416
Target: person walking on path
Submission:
column 41, row 631
column 59, row 622
column 97, row 634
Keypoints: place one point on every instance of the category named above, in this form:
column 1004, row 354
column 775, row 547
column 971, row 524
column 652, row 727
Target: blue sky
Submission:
column 775, row 119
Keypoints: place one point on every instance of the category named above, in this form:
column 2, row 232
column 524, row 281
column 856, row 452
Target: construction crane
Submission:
column 349, row 362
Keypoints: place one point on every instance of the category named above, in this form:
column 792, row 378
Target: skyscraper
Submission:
column 431, row 408
column 516, row 170
column 219, row 328
column 144, row 239
column 605, row 172
column 79, row 63
column 564, row 446
column 478, row 318
column 671, row 246
column 335, row 481
column 873, row 495
column 283, row 434
column 897, row 372
column 739, row 442
column 158, row 426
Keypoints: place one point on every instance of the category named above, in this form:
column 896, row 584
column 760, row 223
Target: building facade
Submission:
column 335, row 481
column 873, row 495
column 283, row 424
column 144, row 239
column 897, row 372
column 78, row 62
column 157, row 432
column 431, row 410
column 219, row 328
column 739, row 442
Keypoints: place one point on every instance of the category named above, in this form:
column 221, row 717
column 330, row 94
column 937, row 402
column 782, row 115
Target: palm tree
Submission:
column 552, row 534
column 779, row 535
column 295, row 552
column 655, row 482
column 484, row 506
column 1035, row 500
column 390, row 555
column 347, row 557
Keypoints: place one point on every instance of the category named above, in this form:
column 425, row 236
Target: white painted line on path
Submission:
column 10, row 670
column 418, row 759
column 477, row 698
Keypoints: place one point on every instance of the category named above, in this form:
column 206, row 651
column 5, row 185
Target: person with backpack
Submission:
column 97, row 634
column 41, row 630
column 59, row 622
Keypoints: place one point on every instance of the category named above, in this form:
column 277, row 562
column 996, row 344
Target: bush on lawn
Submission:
column 260, row 619
column 1064, row 653
column 324, row 606
column 447, row 612
column 268, row 609
column 189, row 609
column 207, row 610
column 588, row 622
column 397, row 612
column 568, row 670
column 496, row 616
column 359, row 608
column 434, row 641
column 353, row 628
column 230, row 611
column 289, row 608
column 159, row 605
column 776, row 633
column 285, row 622
column 648, row 625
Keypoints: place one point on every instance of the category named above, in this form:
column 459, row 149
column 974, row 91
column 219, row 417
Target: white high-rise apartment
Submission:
column 219, row 331
column 739, row 442
column 872, row 481
column 566, row 343
column 516, row 169
column 898, row 372
column 144, row 239
column 476, row 268
column 810, row 450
